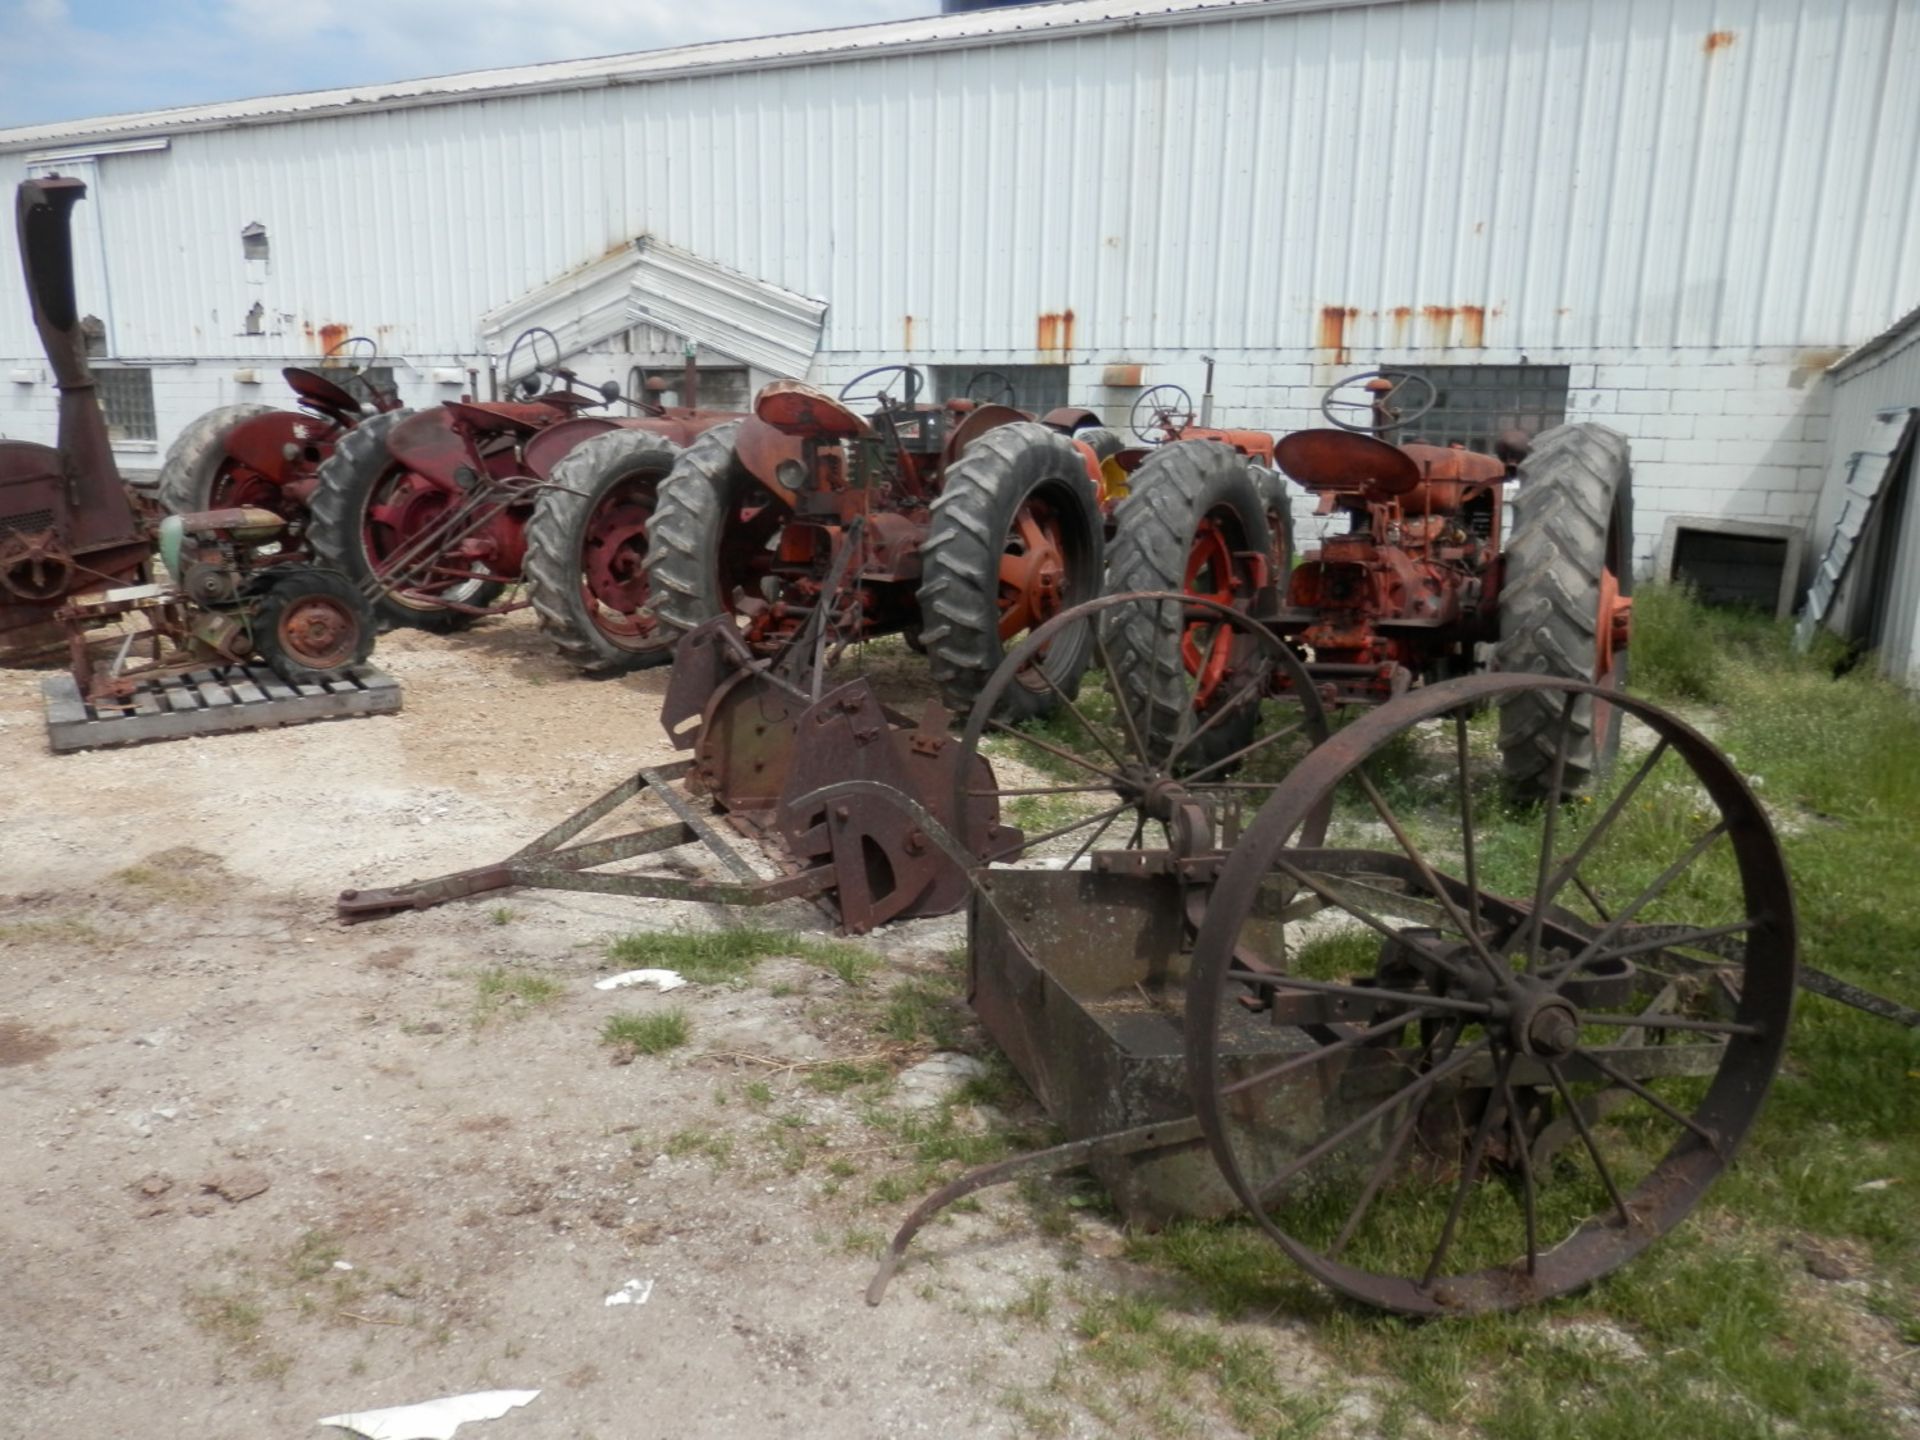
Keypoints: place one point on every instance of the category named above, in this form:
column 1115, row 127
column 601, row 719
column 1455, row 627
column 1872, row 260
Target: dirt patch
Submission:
column 21, row 1045
column 265, row 1167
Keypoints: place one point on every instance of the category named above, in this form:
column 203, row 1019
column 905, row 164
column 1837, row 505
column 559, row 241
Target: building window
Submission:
column 1474, row 404
column 722, row 387
column 126, row 395
column 1033, row 388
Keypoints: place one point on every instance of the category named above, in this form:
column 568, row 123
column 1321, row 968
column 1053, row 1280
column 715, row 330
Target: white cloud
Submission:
column 120, row 56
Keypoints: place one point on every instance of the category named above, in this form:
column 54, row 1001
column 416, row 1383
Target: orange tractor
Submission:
column 1413, row 582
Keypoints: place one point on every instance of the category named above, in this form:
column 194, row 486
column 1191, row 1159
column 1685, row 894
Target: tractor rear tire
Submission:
column 694, row 529
column 1158, row 536
column 1017, row 469
column 568, row 543
column 311, row 625
column 336, row 533
column 192, row 465
column 1573, row 529
column 1105, row 443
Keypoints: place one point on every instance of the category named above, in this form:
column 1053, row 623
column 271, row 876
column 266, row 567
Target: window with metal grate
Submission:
column 126, row 395
column 1033, row 388
column 1475, row 403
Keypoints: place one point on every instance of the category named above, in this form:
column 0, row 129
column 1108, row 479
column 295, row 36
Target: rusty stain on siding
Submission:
column 1717, row 40
column 1333, row 327
column 1054, row 331
column 906, row 332
column 1402, row 321
column 1473, row 327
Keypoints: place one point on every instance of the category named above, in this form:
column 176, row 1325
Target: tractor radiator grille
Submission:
column 27, row 522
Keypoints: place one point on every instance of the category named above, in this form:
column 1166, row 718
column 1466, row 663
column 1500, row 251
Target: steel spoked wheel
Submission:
column 1523, row 1048
column 1089, row 778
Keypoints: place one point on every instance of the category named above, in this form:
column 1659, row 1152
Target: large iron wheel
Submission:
column 1092, row 777
column 1512, row 1097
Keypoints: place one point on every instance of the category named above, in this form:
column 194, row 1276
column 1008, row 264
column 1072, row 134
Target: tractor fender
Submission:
column 979, row 421
column 548, row 447
column 1069, row 418
column 262, row 443
column 430, row 445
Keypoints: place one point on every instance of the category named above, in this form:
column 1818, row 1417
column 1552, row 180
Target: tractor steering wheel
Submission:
column 879, row 397
column 990, row 387
column 1160, row 414
column 338, row 350
column 529, row 384
column 1379, row 401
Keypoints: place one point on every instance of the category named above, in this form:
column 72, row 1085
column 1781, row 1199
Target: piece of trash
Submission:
column 659, row 979
column 634, row 1292
column 341, row 1265
column 1875, row 1185
column 431, row 1419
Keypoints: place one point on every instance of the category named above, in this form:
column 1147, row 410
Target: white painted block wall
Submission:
column 1736, row 434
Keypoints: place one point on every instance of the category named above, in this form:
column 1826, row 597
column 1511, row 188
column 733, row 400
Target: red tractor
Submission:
column 1413, row 586
column 257, row 457
column 960, row 525
column 438, row 515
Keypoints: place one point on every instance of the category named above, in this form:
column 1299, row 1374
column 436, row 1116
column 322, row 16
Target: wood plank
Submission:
column 213, row 694
column 158, row 715
column 269, row 682
column 244, row 690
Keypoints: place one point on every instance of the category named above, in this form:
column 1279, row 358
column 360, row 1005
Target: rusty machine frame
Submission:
column 75, row 553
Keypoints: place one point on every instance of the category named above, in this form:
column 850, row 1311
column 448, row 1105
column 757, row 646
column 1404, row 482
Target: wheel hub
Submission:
column 319, row 631
column 1541, row 1022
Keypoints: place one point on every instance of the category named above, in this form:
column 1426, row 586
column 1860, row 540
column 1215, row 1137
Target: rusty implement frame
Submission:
column 765, row 736
column 551, row 863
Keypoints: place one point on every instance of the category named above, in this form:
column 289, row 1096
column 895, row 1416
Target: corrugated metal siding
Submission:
column 1889, row 378
column 1545, row 175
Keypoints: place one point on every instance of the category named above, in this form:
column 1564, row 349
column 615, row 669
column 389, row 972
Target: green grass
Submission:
column 499, row 990
column 714, row 957
column 651, row 1034
column 1718, row 1331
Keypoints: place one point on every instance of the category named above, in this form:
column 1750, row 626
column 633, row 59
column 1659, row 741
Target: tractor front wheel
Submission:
column 1196, row 522
column 311, row 625
column 1016, row 538
column 587, row 550
column 1565, row 608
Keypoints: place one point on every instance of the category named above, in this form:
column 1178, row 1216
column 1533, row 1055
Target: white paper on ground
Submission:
column 659, row 979
column 634, row 1292
column 431, row 1419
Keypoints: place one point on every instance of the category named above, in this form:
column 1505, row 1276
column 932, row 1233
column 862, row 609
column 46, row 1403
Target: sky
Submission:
column 68, row 59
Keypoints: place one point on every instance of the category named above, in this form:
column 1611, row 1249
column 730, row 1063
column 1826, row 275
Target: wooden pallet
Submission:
column 207, row 702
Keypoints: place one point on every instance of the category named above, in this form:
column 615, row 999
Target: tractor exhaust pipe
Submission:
column 44, row 212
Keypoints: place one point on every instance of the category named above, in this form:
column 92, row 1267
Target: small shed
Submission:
column 1866, row 584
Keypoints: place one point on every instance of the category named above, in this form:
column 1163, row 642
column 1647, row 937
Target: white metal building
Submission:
column 1670, row 215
